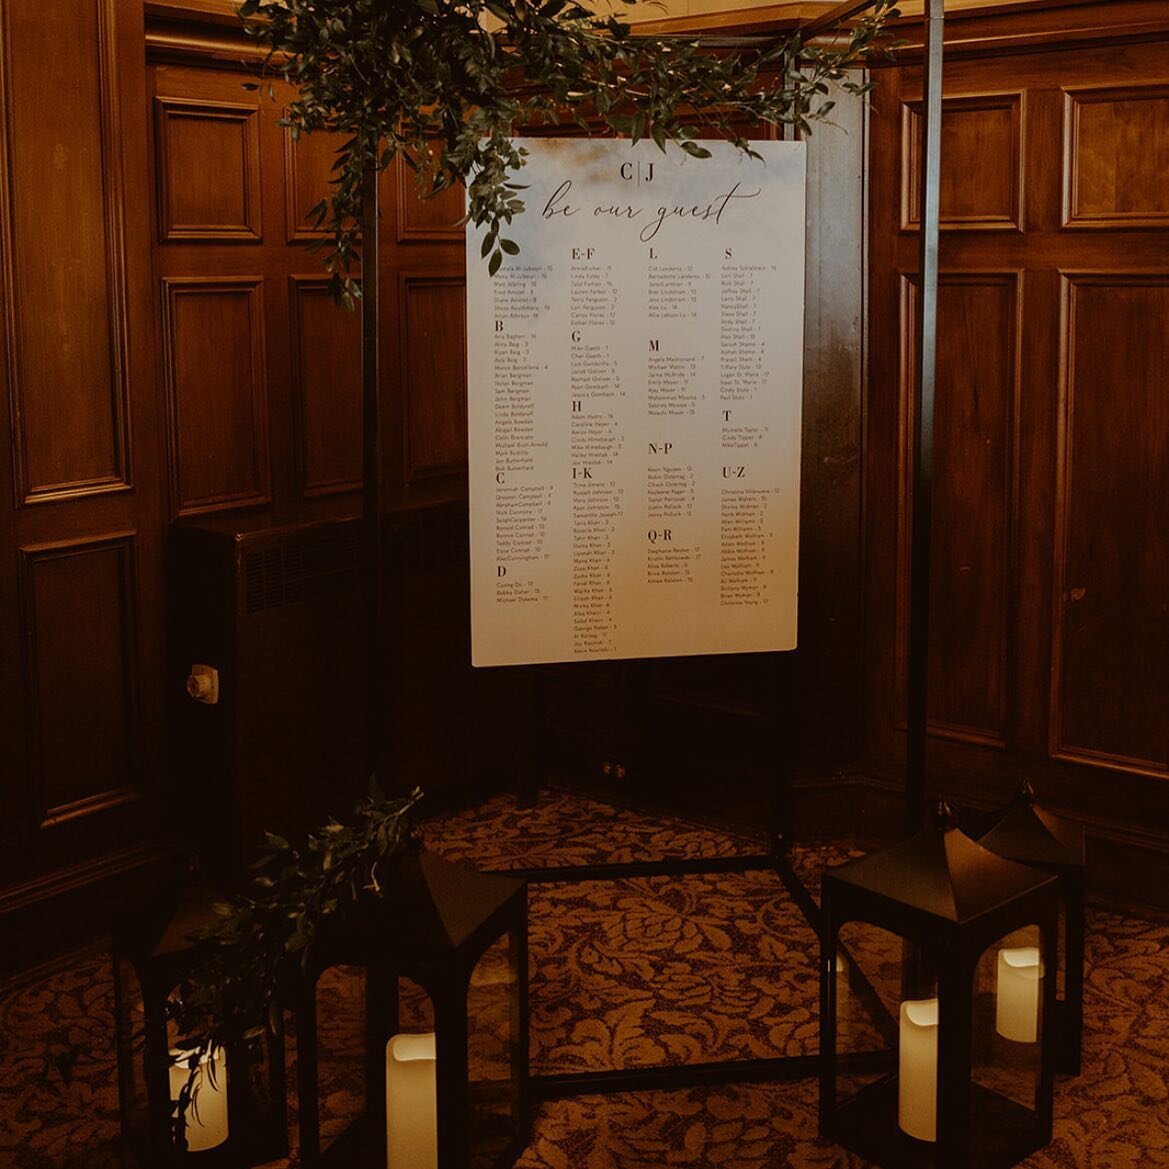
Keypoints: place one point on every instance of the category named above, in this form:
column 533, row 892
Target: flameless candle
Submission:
column 917, row 1069
column 411, row 1114
column 206, row 1119
column 1020, row 976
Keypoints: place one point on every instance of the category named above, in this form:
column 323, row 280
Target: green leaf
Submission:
column 420, row 78
column 510, row 246
column 494, row 262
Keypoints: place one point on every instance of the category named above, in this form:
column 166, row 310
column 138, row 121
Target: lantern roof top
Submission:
column 943, row 873
column 1025, row 832
column 438, row 905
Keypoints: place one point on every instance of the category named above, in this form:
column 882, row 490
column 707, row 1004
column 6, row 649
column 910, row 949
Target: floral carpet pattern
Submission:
column 636, row 972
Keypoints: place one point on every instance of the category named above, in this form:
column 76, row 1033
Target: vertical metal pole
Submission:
column 923, row 420
column 371, row 559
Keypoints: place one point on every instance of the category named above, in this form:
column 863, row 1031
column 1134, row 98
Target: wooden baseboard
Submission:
column 72, row 907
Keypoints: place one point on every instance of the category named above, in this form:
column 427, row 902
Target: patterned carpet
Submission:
column 628, row 973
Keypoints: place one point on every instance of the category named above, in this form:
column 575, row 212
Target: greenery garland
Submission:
column 446, row 83
column 265, row 937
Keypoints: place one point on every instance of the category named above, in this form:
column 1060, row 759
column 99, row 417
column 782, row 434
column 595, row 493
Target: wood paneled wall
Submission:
column 261, row 373
column 168, row 352
column 1049, row 629
column 80, row 515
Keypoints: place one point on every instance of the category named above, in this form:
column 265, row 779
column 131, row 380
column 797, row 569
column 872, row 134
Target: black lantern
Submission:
column 1025, row 832
column 456, row 1096
column 935, row 1044
column 237, row 1113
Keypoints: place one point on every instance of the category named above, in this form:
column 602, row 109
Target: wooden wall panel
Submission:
column 281, row 361
column 434, row 377
column 1116, row 157
column 975, row 428
column 1081, row 657
column 80, row 506
column 308, row 163
column 735, row 684
column 436, row 218
column 78, row 603
column 985, row 189
column 208, row 170
column 830, row 613
column 214, row 364
column 63, row 269
column 326, row 388
column 1110, row 693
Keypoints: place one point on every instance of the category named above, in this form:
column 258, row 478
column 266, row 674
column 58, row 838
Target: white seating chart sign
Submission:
column 634, row 383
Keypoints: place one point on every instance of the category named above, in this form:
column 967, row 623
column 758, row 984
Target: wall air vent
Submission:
column 298, row 568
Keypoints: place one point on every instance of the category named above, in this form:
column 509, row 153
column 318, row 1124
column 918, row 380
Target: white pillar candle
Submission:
column 206, row 1117
column 1020, row 977
column 917, row 1069
column 411, row 1110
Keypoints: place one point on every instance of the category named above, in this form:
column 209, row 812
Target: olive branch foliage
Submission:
column 264, row 938
column 444, row 84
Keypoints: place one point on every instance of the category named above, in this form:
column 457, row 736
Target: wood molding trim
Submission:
column 122, row 663
column 339, row 474
column 199, row 32
column 247, row 483
column 1074, row 603
column 447, row 206
column 41, row 916
column 298, row 228
column 434, row 420
column 170, row 112
column 992, row 734
column 1141, row 175
column 194, row 30
column 998, row 30
column 115, row 477
column 972, row 218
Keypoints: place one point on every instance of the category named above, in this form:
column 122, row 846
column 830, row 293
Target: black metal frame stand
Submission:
column 757, row 1070
column 777, row 708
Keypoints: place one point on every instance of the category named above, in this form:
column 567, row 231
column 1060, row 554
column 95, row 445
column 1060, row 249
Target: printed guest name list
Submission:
column 634, row 387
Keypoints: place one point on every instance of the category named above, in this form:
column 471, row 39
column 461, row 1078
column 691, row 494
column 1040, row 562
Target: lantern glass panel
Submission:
column 1062, row 950
column 493, row 1005
column 131, row 1038
column 1008, row 1032
column 870, row 980
column 415, row 1007
column 340, row 1021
